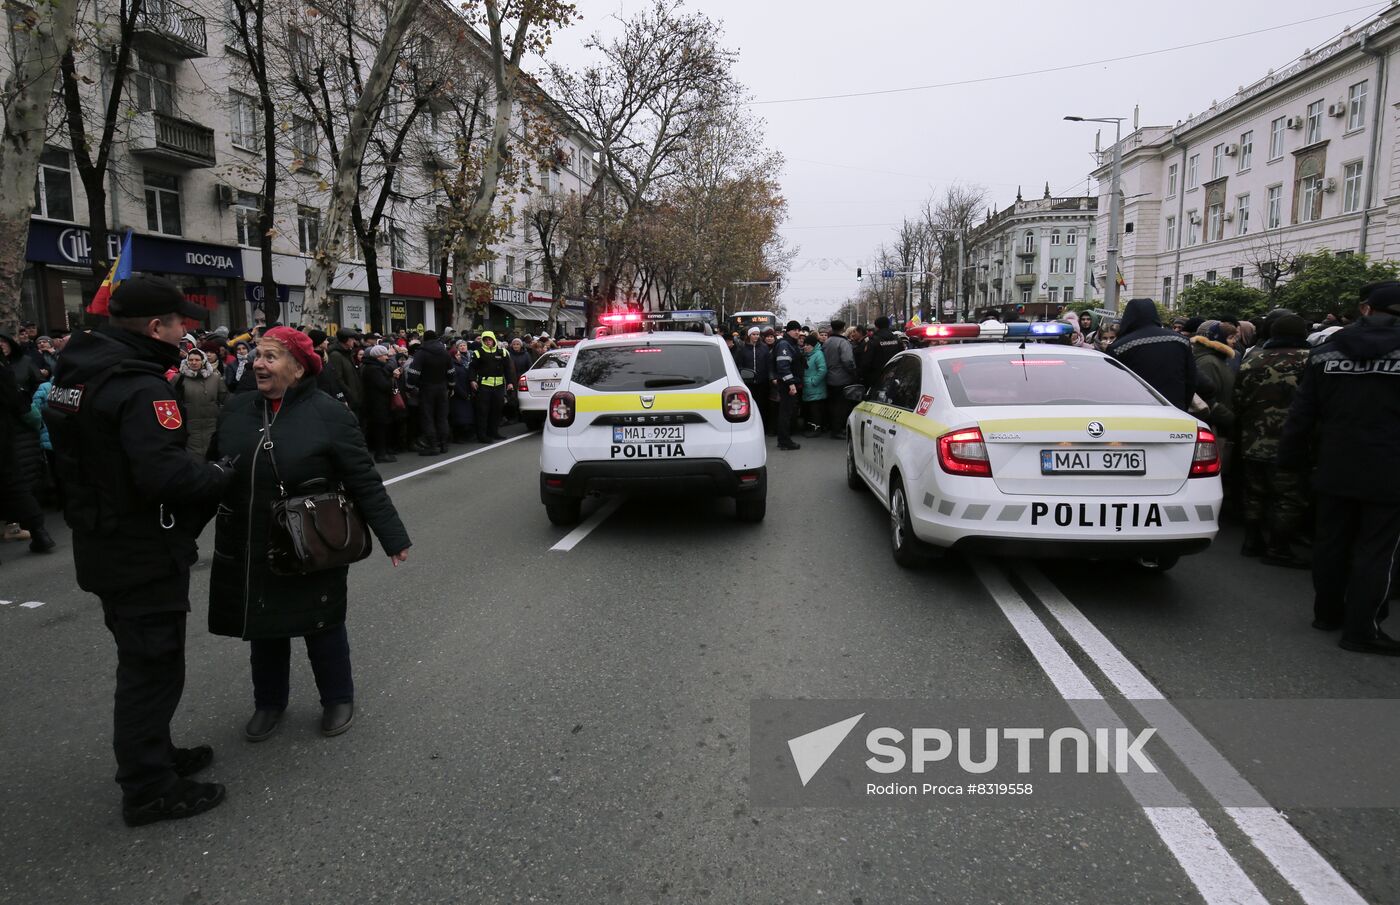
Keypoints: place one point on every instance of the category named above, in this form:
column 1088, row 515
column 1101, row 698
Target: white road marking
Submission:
column 32, row 604
column 6, row 602
column 1191, row 840
column 574, row 537
column 1316, row 881
column 476, row 452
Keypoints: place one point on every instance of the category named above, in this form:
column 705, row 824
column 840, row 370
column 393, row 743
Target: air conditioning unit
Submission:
column 1329, row 185
column 1231, row 150
column 1294, row 122
column 1337, row 109
column 225, row 195
column 1195, row 218
column 1228, row 216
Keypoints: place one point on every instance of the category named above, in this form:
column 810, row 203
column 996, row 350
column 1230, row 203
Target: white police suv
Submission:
column 1024, row 448
column 652, row 413
column 536, row 386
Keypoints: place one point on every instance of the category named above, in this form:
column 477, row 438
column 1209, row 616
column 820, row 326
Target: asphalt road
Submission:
column 572, row 725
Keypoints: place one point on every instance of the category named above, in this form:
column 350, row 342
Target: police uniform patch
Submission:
column 168, row 414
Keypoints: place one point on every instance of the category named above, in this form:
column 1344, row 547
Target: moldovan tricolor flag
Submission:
column 121, row 269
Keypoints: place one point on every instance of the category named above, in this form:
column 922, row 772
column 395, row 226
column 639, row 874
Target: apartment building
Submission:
column 1035, row 256
column 1302, row 160
column 186, row 173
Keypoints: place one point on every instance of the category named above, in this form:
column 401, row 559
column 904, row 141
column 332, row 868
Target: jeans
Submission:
column 329, row 652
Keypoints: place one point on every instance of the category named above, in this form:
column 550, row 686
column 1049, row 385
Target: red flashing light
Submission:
column 951, row 331
column 1205, row 462
column 964, row 453
column 644, row 351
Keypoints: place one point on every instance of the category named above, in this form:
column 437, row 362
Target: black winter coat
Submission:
column 1159, row 356
column 461, row 411
column 316, row 440
column 1348, row 404
column 430, row 366
column 378, row 379
column 880, row 347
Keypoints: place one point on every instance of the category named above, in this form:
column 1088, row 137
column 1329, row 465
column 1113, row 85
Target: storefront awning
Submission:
column 540, row 313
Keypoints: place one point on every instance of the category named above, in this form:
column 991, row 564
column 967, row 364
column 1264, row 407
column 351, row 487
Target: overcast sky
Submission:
column 856, row 166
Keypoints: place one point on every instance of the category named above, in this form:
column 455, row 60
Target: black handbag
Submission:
column 312, row 532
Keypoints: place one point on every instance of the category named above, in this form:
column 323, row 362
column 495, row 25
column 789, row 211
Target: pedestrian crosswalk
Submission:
column 26, row 605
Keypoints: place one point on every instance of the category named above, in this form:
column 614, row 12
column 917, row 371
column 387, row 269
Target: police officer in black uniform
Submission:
column 1347, row 408
column 136, row 501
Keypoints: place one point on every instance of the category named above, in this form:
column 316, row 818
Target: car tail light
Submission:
column 963, row 453
column 1205, row 462
column 736, row 404
column 523, row 385
column 561, row 409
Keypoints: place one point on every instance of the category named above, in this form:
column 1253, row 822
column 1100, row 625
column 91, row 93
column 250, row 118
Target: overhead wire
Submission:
column 1070, row 66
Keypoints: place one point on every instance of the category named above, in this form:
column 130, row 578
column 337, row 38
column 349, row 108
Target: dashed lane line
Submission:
column 1316, row 880
column 445, row 462
column 1201, row 854
column 576, row 536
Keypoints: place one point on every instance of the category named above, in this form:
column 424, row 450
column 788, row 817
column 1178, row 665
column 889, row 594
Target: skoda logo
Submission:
column 648, row 401
column 1095, row 429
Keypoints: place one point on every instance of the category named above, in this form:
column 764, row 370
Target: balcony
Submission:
column 167, row 28
column 1023, row 252
column 1026, row 279
column 996, row 283
column 159, row 136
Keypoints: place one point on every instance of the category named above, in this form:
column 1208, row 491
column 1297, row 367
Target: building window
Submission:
column 1069, row 295
column 1242, row 215
column 1167, row 291
column 1276, row 138
column 1351, row 187
column 1028, row 267
column 1246, row 150
column 398, row 248
column 1054, row 265
column 510, row 270
column 1191, row 169
column 308, row 229
column 153, row 86
column 491, row 271
column 1055, row 237
column 1275, row 203
column 1186, row 281
column 1217, row 161
column 1072, row 237
column 245, row 218
column 53, row 187
column 1029, row 244
column 1193, row 228
column 1215, row 222
column 1025, row 296
column 587, row 168
column 1171, row 180
column 1210, row 277
column 1310, row 199
column 304, row 145
column 243, row 122
column 163, row 203
column 299, row 43
column 1069, row 265
column 1314, row 123
column 1171, row 233
column 1356, row 106
column 529, row 274
column 1237, row 274
column 1054, row 294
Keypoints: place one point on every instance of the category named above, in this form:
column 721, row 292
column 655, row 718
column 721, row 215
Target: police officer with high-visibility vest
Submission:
column 137, row 501
column 493, row 370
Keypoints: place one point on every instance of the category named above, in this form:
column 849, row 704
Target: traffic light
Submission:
column 858, row 275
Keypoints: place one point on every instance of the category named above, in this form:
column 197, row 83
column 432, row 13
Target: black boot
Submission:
column 189, row 761
column 336, row 718
column 40, row 541
column 184, row 799
column 1253, row 540
column 262, row 725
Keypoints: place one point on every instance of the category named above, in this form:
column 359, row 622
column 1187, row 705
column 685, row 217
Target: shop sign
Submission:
column 57, row 243
column 509, row 294
column 421, row 285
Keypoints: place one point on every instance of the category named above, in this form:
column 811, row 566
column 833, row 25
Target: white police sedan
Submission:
column 991, row 441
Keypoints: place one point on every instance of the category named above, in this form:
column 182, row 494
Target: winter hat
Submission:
column 1210, row 330
column 791, row 326
column 378, row 350
column 1383, row 296
column 754, row 331
column 299, row 345
column 1289, row 326
column 316, row 336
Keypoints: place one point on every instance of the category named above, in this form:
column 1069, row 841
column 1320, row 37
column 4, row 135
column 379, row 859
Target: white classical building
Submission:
column 1302, row 160
column 1034, row 256
column 186, row 169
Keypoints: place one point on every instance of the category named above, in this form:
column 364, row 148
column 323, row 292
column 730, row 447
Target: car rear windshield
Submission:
column 1043, row 379
column 660, row 366
column 552, row 360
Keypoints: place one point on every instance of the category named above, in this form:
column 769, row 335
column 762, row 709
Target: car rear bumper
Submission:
column 1043, row 548
column 678, row 476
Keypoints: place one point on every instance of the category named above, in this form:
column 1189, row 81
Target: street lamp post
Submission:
column 1114, row 211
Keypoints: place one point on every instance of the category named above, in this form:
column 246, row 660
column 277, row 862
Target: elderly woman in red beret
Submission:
column 317, row 447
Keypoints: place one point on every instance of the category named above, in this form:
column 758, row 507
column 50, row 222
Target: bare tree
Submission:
column 952, row 218
column 251, row 25
column 655, row 85
column 40, row 37
column 1273, row 257
column 345, row 188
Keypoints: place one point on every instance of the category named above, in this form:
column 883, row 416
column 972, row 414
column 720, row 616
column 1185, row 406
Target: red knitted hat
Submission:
column 299, row 344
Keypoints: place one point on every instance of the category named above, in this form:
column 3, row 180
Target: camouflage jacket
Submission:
column 1264, row 390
